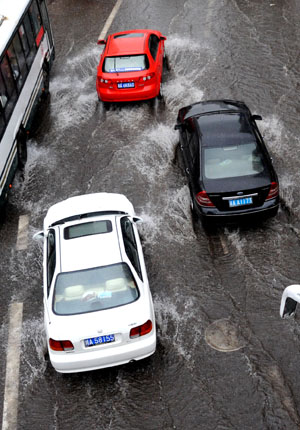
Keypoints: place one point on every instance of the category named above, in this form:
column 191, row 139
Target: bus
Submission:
column 26, row 55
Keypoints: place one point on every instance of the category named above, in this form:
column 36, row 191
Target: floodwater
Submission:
column 225, row 359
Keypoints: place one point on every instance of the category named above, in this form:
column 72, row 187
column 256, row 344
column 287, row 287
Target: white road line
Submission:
column 110, row 20
column 10, row 404
column 22, row 240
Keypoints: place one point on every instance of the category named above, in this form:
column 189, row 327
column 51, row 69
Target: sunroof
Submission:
column 129, row 35
column 87, row 229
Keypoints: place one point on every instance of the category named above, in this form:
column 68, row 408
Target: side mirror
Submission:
column 290, row 299
column 137, row 219
column 162, row 38
column 101, row 42
column 178, row 127
column 39, row 236
column 256, row 117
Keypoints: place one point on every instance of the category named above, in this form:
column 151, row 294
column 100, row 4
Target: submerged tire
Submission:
column 22, row 148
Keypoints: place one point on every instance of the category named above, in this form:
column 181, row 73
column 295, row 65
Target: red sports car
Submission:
column 131, row 66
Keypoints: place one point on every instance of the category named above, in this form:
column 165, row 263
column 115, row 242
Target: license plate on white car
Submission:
column 240, row 202
column 99, row 340
column 126, row 85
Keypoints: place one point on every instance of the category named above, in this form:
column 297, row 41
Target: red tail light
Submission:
column 61, row 345
column 141, row 330
column 274, row 191
column 204, row 200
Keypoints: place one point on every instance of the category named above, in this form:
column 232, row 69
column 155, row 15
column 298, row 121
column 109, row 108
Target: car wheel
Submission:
column 106, row 106
column 160, row 94
column 166, row 62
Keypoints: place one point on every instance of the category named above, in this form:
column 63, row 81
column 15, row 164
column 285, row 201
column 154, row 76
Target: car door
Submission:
column 50, row 266
column 155, row 49
column 130, row 245
column 190, row 152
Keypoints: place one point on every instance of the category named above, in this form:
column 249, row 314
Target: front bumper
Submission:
column 135, row 349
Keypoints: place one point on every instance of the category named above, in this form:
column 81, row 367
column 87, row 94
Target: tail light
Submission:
column 104, row 81
column 147, row 78
column 203, row 199
column 274, row 191
column 141, row 330
column 61, row 345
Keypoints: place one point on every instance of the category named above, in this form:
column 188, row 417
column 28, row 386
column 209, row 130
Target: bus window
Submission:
column 3, row 96
column 11, row 91
column 2, row 122
column 24, row 41
column 36, row 20
column 21, row 59
column 30, row 38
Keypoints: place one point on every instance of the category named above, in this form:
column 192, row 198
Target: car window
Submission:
column 153, row 45
column 130, row 244
column 51, row 257
column 94, row 289
column 131, row 63
column 232, row 161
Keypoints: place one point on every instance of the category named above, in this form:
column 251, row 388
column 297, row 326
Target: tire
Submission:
column 106, row 106
column 160, row 94
column 22, row 148
column 166, row 62
column 46, row 80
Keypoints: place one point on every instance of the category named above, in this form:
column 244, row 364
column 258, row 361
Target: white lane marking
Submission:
column 10, row 403
column 110, row 20
column 22, row 240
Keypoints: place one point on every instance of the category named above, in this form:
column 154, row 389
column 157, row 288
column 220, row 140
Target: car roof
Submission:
column 225, row 128
column 211, row 106
column 85, row 205
column 127, row 45
column 90, row 251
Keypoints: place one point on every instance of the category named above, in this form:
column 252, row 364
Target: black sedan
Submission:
column 228, row 166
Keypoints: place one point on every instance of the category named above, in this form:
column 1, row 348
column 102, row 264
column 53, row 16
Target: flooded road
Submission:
column 225, row 359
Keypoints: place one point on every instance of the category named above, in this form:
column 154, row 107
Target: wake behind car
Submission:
column 131, row 66
column 98, row 309
column 229, row 170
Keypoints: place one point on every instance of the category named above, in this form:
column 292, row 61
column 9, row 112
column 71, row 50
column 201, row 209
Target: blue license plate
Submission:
column 99, row 340
column 240, row 202
column 126, row 85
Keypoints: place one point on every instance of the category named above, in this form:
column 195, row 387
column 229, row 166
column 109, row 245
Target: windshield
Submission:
column 94, row 289
column 232, row 161
column 132, row 63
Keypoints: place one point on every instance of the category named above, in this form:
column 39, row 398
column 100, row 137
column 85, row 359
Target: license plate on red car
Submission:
column 126, row 85
column 240, row 202
column 99, row 340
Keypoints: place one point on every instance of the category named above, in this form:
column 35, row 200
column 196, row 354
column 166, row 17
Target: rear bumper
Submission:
column 136, row 349
column 268, row 209
column 145, row 92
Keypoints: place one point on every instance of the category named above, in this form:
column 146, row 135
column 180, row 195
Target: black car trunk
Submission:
column 232, row 194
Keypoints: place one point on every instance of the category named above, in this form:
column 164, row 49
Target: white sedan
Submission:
column 289, row 300
column 98, row 309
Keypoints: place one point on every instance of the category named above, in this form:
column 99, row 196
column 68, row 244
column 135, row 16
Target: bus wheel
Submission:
column 46, row 79
column 22, row 149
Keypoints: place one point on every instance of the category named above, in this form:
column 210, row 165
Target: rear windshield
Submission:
column 232, row 161
column 132, row 63
column 94, row 289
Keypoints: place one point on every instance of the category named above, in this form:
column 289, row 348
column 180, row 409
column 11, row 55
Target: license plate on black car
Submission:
column 240, row 202
column 99, row 340
column 126, row 85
